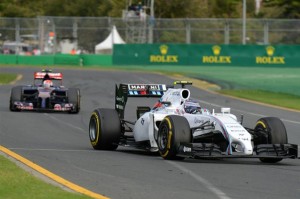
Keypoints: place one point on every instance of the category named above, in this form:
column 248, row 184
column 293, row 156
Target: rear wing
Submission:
column 123, row 91
column 48, row 75
column 183, row 83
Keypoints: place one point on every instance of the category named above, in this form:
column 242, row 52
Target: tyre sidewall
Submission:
column 107, row 129
column 74, row 98
column 95, row 118
column 275, row 128
column 15, row 95
column 276, row 134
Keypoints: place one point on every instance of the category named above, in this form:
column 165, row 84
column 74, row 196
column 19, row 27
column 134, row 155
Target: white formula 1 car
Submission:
column 177, row 127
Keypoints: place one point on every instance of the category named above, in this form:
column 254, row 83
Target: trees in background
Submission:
column 163, row 8
column 283, row 8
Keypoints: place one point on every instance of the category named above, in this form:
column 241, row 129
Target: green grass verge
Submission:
column 17, row 183
column 6, row 78
column 272, row 79
column 277, row 99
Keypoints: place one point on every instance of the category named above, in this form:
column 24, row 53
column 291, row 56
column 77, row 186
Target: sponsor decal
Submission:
column 198, row 121
column 233, row 126
column 24, row 106
column 120, row 107
column 216, row 58
column 270, row 58
column 176, row 93
column 44, row 94
column 63, row 107
column 41, row 75
column 68, row 105
column 142, row 121
column 178, row 111
column 57, row 107
column 143, row 87
column 120, row 99
column 236, row 130
column 163, row 57
column 187, row 149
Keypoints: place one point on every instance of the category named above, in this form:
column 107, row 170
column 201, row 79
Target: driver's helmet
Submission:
column 192, row 107
column 47, row 83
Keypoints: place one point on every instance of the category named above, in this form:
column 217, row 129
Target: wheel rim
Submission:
column 163, row 137
column 262, row 127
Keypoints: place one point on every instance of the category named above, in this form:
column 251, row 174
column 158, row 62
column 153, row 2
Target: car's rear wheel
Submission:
column 74, row 98
column 173, row 130
column 276, row 134
column 105, row 129
column 15, row 96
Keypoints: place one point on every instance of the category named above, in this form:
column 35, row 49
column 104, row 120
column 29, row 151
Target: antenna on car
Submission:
column 183, row 83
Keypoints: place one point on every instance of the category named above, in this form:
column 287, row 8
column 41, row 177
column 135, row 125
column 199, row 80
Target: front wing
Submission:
column 210, row 150
column 64, row 107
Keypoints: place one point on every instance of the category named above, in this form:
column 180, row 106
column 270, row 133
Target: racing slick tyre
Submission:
column 105, row 129
column 276, row 134
column 172, row 131
column 16, row 95
column 74, row 98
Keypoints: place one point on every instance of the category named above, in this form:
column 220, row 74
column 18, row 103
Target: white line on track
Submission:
column 200, row 179
column 63, row 122
column 291, row 121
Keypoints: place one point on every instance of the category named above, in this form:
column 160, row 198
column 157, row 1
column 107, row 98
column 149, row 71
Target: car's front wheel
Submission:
column 74, row 98
column 172, row 131
column 276, row 134
column 15, row 96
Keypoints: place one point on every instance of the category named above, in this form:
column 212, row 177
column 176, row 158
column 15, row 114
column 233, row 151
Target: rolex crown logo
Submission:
column 163, row 49
column 216, row 50
column 270, row 50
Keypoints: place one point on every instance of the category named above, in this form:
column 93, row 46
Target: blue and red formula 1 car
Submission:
column 46, row 94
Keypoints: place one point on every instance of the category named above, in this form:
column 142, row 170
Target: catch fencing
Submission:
column 52, row 35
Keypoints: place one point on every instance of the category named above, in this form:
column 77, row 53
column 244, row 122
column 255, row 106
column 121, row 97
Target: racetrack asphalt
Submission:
column 60, row 144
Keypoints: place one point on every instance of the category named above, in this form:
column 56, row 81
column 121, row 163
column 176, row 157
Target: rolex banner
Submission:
column 214, row 55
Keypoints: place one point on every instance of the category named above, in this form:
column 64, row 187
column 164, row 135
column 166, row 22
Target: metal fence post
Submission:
column 55, row 37
column 188, row 31
column 41, row 34
column 150, row 29
column 244, row 21
column 226, row 32
column 266, row 32
column 17, row 34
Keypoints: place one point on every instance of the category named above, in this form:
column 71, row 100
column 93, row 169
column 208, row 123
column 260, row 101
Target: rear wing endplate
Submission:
column 123, row 91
